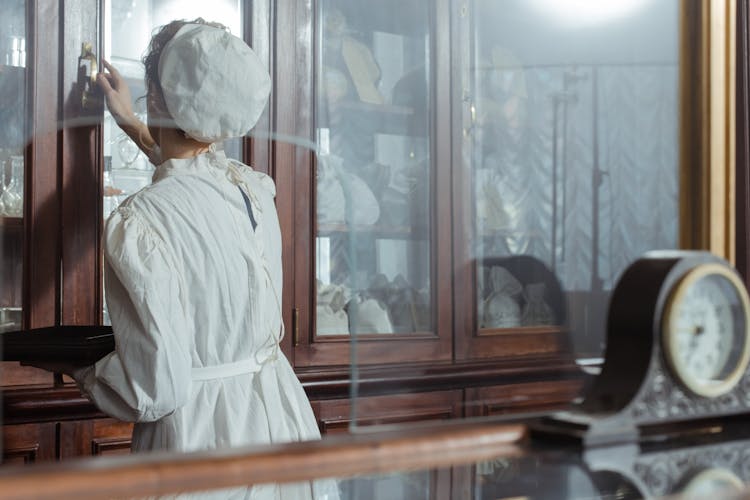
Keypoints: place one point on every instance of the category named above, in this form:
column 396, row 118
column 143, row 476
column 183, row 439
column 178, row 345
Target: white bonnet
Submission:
column 214, row 85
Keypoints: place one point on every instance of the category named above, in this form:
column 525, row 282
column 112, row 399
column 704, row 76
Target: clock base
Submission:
column 589, row 431
column 584, row 429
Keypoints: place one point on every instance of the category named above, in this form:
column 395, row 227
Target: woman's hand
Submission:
column 119, row 103
column 118, row 97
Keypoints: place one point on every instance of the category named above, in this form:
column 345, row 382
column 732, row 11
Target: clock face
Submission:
column 716, row 482
column 705, row 330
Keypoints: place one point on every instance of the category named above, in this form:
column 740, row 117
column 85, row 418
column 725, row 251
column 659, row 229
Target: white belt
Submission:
column 226, row 370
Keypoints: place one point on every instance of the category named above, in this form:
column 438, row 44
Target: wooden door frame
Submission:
column 742, row 185
column 81, row 180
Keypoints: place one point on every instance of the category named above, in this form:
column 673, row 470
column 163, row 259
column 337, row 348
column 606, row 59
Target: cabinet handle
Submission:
column 295, row 324
column 88, row 60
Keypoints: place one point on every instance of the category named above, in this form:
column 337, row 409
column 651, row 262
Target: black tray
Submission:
column 81, row 345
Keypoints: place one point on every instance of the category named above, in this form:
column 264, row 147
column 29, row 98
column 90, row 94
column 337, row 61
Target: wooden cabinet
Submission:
column 457, row 193
column 338, row 415
column 28, row 443
column 96, row 437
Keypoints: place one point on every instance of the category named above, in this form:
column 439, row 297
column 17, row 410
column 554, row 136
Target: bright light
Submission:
column 226, row 12
column 582, row 13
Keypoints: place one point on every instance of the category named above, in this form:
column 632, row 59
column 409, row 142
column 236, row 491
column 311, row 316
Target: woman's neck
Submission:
column 174, row 145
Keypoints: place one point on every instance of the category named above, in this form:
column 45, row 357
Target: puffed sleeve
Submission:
column 148, row 375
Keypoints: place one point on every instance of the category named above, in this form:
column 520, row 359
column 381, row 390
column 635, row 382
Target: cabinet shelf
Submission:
column 521, row 330
column 376, row 231
column 7, row 222
column 381, row 118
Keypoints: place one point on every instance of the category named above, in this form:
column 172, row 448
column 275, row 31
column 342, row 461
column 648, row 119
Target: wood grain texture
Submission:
column 42, row 206
column 24, row 405
column 383, row 452
column 94, row 437
column 81, row 182
column 27, row 444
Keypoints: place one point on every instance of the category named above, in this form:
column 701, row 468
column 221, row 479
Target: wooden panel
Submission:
column 12, row 264
column 13, row 374
column 45, row 404
column 518, row 398
column 28, row 443
column 81, row 173
column 105, row 436
column 42, row 207
column 337, row 416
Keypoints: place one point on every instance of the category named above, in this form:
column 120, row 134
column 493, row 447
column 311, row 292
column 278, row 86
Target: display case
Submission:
column 371, row 186
column 459, row 183
column 568, row 142
column 13, row 136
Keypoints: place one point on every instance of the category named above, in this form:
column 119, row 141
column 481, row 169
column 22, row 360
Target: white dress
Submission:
column 194, row 296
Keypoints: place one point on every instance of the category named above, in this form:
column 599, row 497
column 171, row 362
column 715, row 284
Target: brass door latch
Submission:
column 88, row 69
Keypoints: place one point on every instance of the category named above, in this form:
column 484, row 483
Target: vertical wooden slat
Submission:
column 441, row 222
column 742, row 178
column 42, row 207
column 707, row 140
column 289, row 68
column 258, row 34
column 81, row 183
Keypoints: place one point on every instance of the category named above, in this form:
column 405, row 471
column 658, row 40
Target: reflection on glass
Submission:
column 128, row 27
column 571, row 136
column 373, row 169
column 13, row 128
column 395, row 486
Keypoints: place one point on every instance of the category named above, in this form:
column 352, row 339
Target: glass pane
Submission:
column 373, row 168
column 13, row 136
column 571, row 132
column 129, row 25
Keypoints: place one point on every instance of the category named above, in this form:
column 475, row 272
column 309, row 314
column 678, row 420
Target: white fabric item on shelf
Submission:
column 502, row 309
column 330, row 322
column 214, row 85
column 343, row 196
column 194, row 369
column 371, row 317
column 331, row 318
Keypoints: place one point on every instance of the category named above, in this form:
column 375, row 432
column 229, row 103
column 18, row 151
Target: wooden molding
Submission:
column 742, row 121
column 707, row 126
column 51, row 404
column 442, row 445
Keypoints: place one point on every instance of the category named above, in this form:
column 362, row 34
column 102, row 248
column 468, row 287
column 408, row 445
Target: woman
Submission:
column 193, row 264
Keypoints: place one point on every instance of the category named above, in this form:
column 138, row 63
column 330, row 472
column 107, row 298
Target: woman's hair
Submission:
column 158, row 41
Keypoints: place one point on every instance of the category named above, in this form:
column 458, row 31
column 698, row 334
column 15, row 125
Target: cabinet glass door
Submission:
column 129, row 25
column 14, row 135
column 570, row 131
column 373, row 194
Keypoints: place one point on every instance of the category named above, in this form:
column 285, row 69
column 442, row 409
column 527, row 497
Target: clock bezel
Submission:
column 720, row 474
column 668, row 332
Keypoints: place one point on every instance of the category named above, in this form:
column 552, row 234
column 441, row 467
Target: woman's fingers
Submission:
column 110, row 68
column 103, row 82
